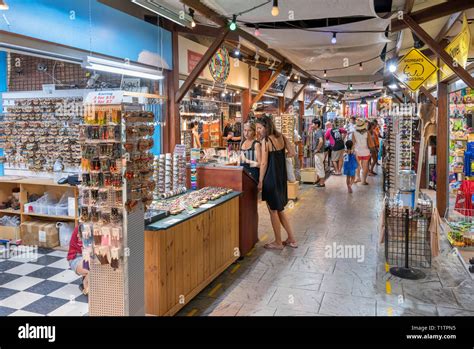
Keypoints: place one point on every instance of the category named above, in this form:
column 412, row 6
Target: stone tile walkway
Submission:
column 307, row 282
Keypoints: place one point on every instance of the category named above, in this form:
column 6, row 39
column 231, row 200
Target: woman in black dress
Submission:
column 273, row 180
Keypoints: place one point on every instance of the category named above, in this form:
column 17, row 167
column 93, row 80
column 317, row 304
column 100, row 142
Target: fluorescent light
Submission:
column 154, row 6
column 109, row 66
column 3, row 5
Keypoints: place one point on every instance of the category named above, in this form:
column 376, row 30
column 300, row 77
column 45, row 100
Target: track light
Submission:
column 275, row 10
column 191, row 14
column 333, row 40
column 233, row 24
column 257, row 30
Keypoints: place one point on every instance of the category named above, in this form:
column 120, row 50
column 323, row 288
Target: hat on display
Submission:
column 361, row 125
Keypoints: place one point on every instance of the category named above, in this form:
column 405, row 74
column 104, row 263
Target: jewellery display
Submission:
column 190, row 200
column 42, row 134
column 117, row 173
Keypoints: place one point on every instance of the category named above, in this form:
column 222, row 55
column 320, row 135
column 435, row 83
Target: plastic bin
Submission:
column 61, row 210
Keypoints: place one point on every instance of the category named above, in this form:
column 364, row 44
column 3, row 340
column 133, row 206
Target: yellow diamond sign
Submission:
column 414, row 69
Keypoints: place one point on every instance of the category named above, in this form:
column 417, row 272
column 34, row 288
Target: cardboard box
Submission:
column 308, row 175
column 40, row 233
column 293, row 190
column 9, row 233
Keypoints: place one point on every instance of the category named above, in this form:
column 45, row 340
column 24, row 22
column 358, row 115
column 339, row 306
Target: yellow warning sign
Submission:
column 458, row 49
column 414, row 69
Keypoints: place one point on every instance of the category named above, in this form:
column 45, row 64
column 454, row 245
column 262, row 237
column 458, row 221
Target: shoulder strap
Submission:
column 273, row 146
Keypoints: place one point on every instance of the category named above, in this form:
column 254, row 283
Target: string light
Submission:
column 360, row 66
column 275, row 10
column 325, row 73
column 257, row 30
column 350, row 87
column 233, row 24
column 237, row 50
column 191, row 14
column 392, row 68
column 333, row 40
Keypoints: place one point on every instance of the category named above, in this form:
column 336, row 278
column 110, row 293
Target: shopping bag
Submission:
column 290, row 171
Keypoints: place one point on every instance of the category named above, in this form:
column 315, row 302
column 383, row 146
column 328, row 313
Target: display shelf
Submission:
column 39, row 215
column 10, row 211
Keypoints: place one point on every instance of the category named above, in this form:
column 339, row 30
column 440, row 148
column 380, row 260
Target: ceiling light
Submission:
column 275, row 10
column 350, row 87
column 257, row 30
column 191, row 14
column 327, row 83
column 392, row 68
column 360, row 66
column 156, row 7
column 393, row 86
column 325, row 73
column 333, row 40
column 233, row 24
column 100, row 64
column 237, row 50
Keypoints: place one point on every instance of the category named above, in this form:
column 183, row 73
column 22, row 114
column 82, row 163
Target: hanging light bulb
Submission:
column 327, row 83
column 392, row 68
column 3, row 5
column 257, row 30
column 233, row 24
column 325, row 73
column 237, row 50
column 360, row 66
column 333, row 40
column 350, row 87
column 191, row 14
column 275, row 10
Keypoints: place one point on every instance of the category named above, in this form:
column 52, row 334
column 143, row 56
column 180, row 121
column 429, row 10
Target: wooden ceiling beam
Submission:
column 433, row 12
column 438, row 50
column 432, row 99
column 269, row 83
column 292, row 100
column 201, row 65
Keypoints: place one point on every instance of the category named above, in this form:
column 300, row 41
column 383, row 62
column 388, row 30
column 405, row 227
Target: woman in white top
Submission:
column 362, row 150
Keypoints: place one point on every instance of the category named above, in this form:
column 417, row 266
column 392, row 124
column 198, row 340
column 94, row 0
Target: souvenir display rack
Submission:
column 389, row 151
column 117, row 184
column 404, row 125
column 169, row 175
column 40, row 132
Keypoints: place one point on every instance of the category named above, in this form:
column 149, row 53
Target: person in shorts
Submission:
column 76, row 261
column 350, row 165
column 336, row 140
column 317, row 148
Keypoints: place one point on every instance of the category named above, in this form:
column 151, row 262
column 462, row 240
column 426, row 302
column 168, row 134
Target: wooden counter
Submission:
column 236, row 178
column 184, row 253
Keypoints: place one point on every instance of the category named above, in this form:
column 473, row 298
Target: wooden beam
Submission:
column 408, row 6
column 433, row 12
column 201, row 65
column 312, row 101
column 432, row 99
column 439, row 51
column 268, row 83
column 213, row 16
column 395, row 95
column 448, row 25
column 292, row 100
column 407, row 95
column 442, row 149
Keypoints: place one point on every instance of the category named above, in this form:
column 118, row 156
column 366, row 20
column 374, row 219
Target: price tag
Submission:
column 208, row 205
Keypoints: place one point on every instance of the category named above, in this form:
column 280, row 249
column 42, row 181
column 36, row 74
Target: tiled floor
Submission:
column 292, row 282
column 306, row 282
column 39, row 284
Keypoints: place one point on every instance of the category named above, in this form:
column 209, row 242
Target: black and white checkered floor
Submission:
column 40, row 284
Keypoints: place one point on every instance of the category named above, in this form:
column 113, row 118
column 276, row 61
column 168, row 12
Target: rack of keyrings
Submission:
column 117, row 186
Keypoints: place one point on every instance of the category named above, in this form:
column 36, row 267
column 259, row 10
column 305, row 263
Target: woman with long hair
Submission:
column 251, row 151
column 273, row 180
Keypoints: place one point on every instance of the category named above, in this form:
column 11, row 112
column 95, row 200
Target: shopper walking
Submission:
column 317, row 148
column 327, row 148
column 251, row 151
column 350, row 165
column 362, row 151
column 373, row 143
column 273, row 180
column 336, row 141
column 351, row 127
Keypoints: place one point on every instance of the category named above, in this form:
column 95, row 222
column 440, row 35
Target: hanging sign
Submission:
column 219, row 66
column 458, row 49
column 414, row 69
